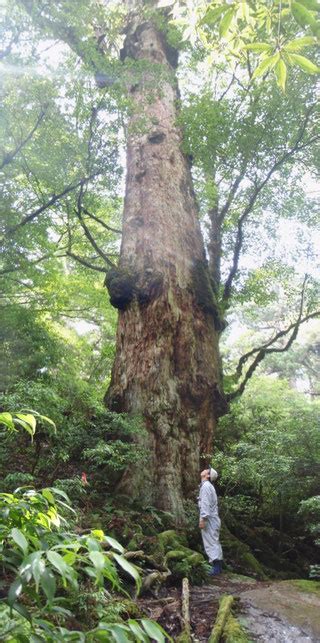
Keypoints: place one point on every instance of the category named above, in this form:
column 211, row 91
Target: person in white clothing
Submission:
column 209, row 521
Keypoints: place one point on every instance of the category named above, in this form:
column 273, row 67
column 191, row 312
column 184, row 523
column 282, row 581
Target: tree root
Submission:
column 185, row 636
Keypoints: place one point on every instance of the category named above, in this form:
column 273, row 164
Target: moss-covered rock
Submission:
column 180, row 559
column 239, row 555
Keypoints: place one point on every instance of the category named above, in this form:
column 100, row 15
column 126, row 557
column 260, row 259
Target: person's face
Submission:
column 205, row 474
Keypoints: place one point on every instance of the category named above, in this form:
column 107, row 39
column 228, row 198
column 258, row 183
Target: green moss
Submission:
column 223, row 613
column 240, row 556
column 171, row 539
column 204, row 294
column 233, row 632
column 307, row 586
column 181, row 560
column 184, row 637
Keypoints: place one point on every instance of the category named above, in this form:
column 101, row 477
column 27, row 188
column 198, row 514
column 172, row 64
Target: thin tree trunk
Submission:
column 167, row 365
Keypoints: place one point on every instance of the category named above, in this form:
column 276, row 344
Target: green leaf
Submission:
column 48, row 495
column 14, row 591
column 114, row 544
column 226, row 22
column 48, row 420
column 299, row 43
column 22, row 611
column 38, row 568
column 25, row 568
column 266, row 65
column 29, row 419
column 20, row 539
column 212, row 16
column 304, row 63
column 312, row 5
column 7, row 420
column 280, row 71
column 92, row 544
column 57, row 561
column 59, row 492
column 302, row 16
column 70, row 558
column 119, row 634
column 129, row 568
column 154, row 630
column 98, row 559
column 259, row 47
column 48, row 584
column 138, row 632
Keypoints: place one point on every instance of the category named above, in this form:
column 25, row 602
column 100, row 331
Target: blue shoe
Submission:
column 216, row 568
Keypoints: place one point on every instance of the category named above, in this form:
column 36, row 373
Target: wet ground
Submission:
column 270, row 612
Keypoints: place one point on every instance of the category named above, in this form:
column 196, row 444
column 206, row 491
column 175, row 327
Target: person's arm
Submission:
column 204, row 506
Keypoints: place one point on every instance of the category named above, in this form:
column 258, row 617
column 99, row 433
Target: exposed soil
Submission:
column 270, row 612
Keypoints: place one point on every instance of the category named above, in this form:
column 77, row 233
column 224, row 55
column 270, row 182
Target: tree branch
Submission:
column 4, row 52
column 239, row 237
column 52, row 201
column 10, row 155
column 268, row 348
column 104, row 225
column 27, row 263
column 87, row 232
column 85, row 262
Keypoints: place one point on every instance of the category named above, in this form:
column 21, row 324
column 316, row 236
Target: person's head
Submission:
column 208, row 474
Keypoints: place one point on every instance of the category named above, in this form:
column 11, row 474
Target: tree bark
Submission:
column 167, row 364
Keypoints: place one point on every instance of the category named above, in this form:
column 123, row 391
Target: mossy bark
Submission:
column 167, row 365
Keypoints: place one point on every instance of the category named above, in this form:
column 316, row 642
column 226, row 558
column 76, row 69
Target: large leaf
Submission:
column 38, row 568
column 20, row 539
column 29, row 419
column 299, row 43
column 266, row 65
column 129, row 568
column 155, row 631
column 48, row 495
column 304, row 63
column 98, row 560
column 14, row 591
column 312, row 5
column 114, row 544
column 259, row 47
column 137, row 630
column 48, row 584
column 58, row 563
column 303, row 17
column 281, row 74
column 226, row 22
column 7, row 420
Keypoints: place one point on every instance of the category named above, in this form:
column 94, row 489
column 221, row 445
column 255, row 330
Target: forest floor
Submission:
column 270, row 612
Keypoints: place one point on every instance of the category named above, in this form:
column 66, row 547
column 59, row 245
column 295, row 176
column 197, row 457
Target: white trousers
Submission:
column 210, row 537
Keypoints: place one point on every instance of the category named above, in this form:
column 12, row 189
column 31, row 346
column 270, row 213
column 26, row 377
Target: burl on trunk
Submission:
column 167, row 365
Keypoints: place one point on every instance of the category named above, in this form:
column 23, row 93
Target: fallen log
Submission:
column 233, row 632
column 222, row 616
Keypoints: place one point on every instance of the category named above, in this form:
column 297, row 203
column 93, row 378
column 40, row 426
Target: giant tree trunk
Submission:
column 167, row 365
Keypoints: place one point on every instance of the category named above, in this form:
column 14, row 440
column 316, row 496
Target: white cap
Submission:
column 213, row 474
